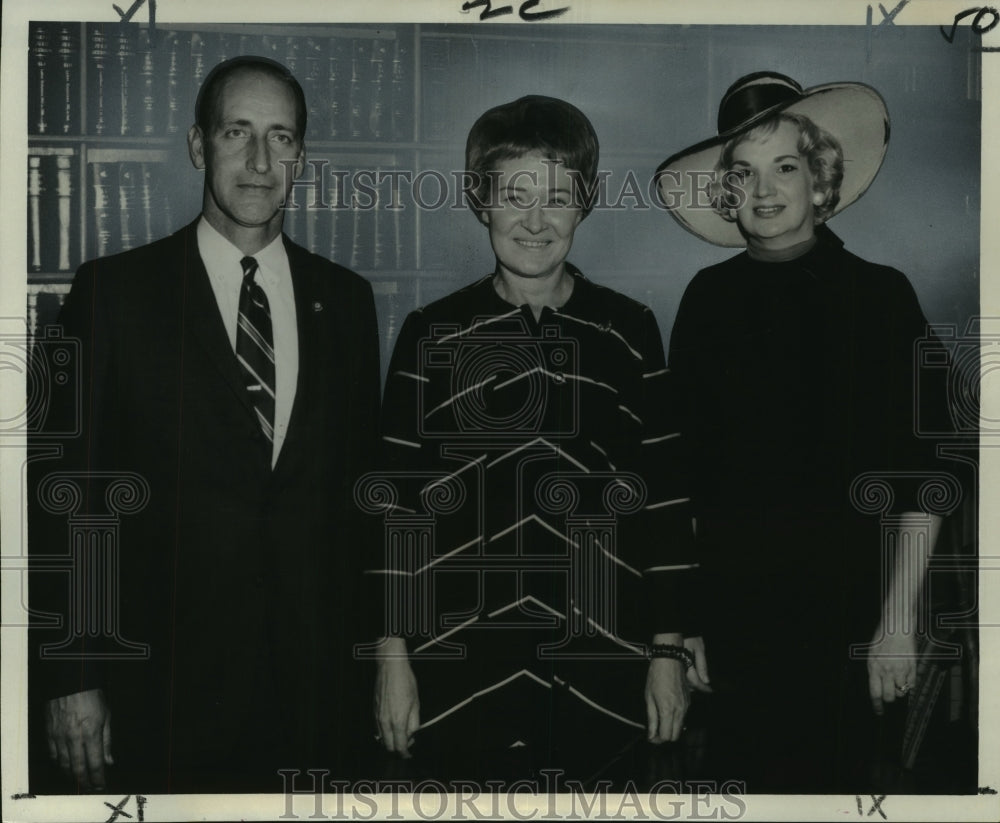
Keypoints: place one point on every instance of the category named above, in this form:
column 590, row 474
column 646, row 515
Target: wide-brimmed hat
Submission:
column 853, row 113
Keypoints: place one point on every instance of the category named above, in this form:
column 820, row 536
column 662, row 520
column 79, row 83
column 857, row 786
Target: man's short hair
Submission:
column 557, row 130
column 821, row 150
column 208, row 96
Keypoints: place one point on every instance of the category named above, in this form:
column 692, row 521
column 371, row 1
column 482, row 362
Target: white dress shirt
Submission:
column 222, row 262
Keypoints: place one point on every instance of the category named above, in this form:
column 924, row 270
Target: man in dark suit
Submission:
column 233, row 376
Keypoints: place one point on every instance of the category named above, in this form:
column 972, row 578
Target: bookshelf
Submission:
column 109, row 106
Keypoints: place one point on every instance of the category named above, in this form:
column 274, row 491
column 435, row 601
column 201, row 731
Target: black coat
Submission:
column 797, row 378
column 241, row 579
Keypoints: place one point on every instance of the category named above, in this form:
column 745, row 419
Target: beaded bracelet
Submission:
column 686, row 656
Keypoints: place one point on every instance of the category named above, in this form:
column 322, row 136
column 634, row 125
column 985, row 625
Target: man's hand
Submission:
column 78, row 727
column 397, row 704
column 892, row 668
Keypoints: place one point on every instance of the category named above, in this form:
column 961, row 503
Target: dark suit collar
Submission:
column 204, row 320
column 314, row 311
column 317, row 317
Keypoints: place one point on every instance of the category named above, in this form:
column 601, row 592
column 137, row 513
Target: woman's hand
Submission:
column 667, row 699
column 397, row 704
column 697, row 675
column 668, row 690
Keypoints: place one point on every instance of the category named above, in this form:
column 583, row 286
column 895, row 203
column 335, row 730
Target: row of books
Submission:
column 53, row 203
column 373, row 239
column 144, row 84
column 132, row 203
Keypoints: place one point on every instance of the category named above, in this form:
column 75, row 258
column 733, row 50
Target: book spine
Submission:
column 224, row 48
column 312, row 226
column 358, row 235
column 103, row 197
column 35, row 213
column 249, row 44
column 173, row 83
column 377, row 224
column 146, row 189
column 98, row 80
column 69, row 54
column 314, row 87
column 32, row 317
column 198, row 69
column 124, row 53
column 336, row 218
column 355, row 97
column 400, row 94
column 147, row 84
column 293, row 55
column 336, row 67
column 397, row 238
column 127, row 187
column 41, row 49
column 64, row 191
column 376, row 95
column 272, row 46
column 436, row 73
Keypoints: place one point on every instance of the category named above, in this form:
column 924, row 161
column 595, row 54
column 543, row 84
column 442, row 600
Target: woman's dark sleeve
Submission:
column 669, row 564
column 918, row 372
column 402, row 456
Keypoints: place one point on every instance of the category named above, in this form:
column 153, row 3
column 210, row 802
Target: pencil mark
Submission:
column 977, row 23
column 539, row 15
column 126, row 16
column 524, row 11
column 120, row 808
column 488, row 11
column 876, row 806
column 889, row 17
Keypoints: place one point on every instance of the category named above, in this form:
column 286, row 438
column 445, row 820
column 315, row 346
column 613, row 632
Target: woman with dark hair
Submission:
column 794, row 364
column 529, row 415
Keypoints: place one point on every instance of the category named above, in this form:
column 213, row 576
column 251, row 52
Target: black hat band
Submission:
column 748, row 102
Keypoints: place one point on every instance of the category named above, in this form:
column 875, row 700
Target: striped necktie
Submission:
column 254, row 347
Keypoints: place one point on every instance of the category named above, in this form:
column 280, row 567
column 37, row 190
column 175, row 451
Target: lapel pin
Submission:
column 317, row 306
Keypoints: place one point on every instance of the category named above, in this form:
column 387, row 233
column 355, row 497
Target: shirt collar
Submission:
column 217, row 250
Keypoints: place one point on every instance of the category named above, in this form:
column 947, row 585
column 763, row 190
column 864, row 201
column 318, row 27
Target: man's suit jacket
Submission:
column 242, row 579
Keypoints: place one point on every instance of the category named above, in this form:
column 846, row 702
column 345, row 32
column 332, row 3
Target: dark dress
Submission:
column 541, row 461
column 797, row 377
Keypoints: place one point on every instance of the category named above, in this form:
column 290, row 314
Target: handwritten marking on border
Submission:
column 524, row 11
column 889, row 17
column 977, row 27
